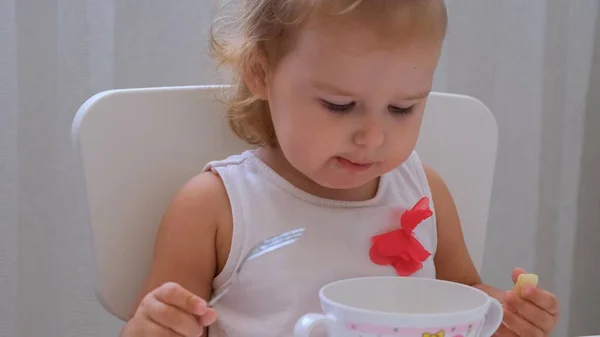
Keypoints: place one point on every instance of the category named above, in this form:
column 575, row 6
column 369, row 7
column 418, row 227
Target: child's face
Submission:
column 345, row 108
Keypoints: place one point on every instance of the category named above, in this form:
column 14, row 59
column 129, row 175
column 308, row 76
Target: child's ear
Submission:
column 256, row 76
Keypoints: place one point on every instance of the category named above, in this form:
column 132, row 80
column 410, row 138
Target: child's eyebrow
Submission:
column 341, row 92
column 331, row 88
column 417, row 96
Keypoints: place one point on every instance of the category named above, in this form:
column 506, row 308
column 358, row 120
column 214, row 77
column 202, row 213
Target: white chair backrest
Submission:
column 137, row 147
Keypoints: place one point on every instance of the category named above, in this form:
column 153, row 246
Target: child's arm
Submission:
column 452, row 260
column 191, row 246
column 535, row 315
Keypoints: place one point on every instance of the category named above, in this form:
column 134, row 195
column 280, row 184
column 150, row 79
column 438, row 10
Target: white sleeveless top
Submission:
column 273, row 291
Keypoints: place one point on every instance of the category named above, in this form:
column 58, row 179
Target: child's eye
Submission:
column 400, row 110
column 338, row 107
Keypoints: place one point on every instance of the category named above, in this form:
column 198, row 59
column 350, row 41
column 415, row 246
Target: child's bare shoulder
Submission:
column 201, row 203
column 433, row 178
column 205, row 195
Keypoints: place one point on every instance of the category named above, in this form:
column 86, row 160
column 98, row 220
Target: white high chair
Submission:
column 137, row 147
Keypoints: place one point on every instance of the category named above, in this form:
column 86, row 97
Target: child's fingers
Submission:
column 177, row 296
column 209, row 317
column 516, row 272
column 173, row 319
column 543, row 299
column 530, row 312
column 151, row 328
column 520, row 326
column 504, row 331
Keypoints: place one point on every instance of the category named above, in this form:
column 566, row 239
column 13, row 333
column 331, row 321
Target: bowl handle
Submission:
column 493, row 318
column 308, row 322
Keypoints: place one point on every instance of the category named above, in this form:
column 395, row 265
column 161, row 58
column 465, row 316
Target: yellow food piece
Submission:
column 531, row 279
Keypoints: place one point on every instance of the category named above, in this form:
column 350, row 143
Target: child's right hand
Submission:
column 170, row 311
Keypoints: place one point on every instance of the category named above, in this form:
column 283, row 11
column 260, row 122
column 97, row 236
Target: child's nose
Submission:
column 371, row 133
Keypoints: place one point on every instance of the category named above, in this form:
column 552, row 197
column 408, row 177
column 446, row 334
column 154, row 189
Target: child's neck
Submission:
column 275, row 159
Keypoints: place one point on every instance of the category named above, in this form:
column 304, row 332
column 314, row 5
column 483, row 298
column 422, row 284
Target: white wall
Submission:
column 528, row 60
column 585, row 315
column 9, row 179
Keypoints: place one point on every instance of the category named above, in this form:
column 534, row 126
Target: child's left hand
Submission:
column 532, row 314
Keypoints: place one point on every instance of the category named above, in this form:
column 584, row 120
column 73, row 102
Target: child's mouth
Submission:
column 353, row 166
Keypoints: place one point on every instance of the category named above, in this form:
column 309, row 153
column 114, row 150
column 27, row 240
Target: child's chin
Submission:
column 347, row 184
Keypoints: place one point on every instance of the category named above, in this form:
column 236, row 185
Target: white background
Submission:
column 531, row 61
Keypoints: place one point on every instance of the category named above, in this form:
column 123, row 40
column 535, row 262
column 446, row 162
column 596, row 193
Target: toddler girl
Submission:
column 332, row 92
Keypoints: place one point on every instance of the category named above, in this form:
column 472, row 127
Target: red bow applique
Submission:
column 399, row 248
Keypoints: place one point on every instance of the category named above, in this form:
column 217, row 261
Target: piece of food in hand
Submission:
column 523, row 279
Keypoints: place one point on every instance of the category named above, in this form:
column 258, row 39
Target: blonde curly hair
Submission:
column 255, row 29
